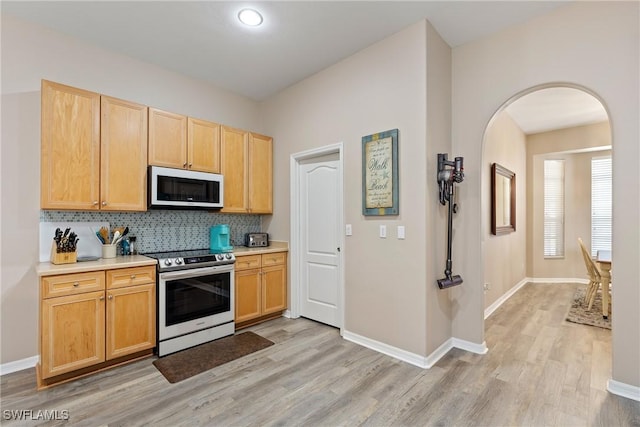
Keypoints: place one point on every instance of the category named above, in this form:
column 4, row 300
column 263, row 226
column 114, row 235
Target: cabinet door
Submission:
column 72, row 333
column 131, row 320
column 274, row 289
column 70, row 148
column 247, row 296
column 203, row 145
column 260, row 174
column 123, row 132
column 167, row 139
column 233, row 158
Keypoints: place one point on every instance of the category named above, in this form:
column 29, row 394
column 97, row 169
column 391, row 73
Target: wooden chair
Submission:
column 595, row 279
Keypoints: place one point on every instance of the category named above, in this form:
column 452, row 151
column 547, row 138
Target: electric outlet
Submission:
column 348, row 230
column 383, row 231
column 486, row 286
column 401, row 232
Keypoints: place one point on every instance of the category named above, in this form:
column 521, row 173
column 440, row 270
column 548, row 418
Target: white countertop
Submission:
column 274, row 246
column 48, row 269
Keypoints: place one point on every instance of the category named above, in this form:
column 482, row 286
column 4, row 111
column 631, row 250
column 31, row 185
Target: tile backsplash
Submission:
column 165, row 230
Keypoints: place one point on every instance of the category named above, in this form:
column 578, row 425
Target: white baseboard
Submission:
column 625, row 390
column 493, row 307
column 439, row 353
column 387, row 349
column 287, row 314
column 556, row 280
column 19, row 365
column 412, row 358
column 470, row 346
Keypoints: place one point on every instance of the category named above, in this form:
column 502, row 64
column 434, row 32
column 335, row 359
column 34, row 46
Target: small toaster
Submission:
column 256, row 240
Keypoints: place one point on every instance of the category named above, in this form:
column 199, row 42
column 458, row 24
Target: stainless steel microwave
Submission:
column 184, row 189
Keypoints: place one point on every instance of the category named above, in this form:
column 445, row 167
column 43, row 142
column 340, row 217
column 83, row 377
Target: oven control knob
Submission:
column 167, row 262
column 228, row 256
column 178, row 261
column 219, row 256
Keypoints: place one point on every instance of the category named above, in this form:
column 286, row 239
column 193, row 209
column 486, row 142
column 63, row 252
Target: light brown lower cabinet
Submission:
column 260, row 287
column 89, row 321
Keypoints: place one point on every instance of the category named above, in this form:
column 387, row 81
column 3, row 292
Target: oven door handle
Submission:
column 185, row 274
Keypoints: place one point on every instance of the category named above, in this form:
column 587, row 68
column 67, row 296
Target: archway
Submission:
column 556, row 122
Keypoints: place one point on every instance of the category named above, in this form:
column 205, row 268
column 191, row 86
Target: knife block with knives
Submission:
column 63, row 247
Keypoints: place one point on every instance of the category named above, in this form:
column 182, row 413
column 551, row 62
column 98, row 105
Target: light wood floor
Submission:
column 540, row 371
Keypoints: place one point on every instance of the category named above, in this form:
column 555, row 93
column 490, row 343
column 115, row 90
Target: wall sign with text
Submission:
column 380, row 173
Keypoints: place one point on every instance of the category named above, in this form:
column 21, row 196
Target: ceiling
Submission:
column 204, row 40
column 555, row 108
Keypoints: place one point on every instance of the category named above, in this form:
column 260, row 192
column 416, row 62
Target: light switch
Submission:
column 401, row 232
column 383, row 231
column 347, row 230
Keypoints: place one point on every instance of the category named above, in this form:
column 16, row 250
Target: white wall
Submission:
column 591, row 44
column 504, row 255
column 31, row 53
column 438, row 120
column 380, row 88
column 560, row 144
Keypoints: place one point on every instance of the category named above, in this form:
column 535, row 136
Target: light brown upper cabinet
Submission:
column 167, row 139
column 89, row 162
column 203, row 148
column 177, row 141
column 123, row 155
column 260, row 173
column 247, row 167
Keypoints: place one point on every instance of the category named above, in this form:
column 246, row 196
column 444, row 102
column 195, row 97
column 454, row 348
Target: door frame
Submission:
column 296, row 236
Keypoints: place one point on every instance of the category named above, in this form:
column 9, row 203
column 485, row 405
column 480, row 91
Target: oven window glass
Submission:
column 175, row 189
column 197, row 297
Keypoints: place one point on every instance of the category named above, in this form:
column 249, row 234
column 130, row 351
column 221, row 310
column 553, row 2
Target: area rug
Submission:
column 578, row 313
column 192, row 361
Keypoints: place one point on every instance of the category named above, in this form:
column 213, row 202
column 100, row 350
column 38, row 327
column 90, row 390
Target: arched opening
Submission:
column 556, row 140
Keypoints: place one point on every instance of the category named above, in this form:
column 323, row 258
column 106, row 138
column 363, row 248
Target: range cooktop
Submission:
column 192, row 258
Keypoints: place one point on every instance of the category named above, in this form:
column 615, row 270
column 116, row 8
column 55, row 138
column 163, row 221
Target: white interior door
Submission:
column 320, row 269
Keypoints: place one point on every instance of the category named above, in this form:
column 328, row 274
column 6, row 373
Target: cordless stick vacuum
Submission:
column 449, row 172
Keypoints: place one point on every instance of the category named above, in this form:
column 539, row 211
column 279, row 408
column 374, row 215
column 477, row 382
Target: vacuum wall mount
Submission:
column 449, row 173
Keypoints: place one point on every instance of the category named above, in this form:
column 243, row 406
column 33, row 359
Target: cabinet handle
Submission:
column 95, row 203
column 101, row 297
column 110, row 296
column 75, row 285
column 133, row 276
column 190, row 165
column 104, row 203
column 184, row 165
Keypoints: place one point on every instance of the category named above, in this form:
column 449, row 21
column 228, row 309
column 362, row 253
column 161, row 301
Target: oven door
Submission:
column 191, row 300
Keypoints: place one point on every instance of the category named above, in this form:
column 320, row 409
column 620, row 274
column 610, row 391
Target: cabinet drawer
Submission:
column 248, row 261
column 274, row 259
column 130, row 276
column 72, row 284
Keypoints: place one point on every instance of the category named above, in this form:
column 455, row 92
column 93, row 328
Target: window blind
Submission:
column 553, row 208
column 601, row 188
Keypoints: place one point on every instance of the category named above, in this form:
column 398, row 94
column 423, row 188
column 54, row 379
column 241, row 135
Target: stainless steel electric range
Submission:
column 195, row 298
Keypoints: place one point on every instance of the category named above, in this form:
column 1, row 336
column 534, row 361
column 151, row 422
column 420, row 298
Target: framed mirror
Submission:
column 503, row 200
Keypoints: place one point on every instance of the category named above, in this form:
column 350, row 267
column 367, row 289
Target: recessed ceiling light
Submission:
column 250, row 17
